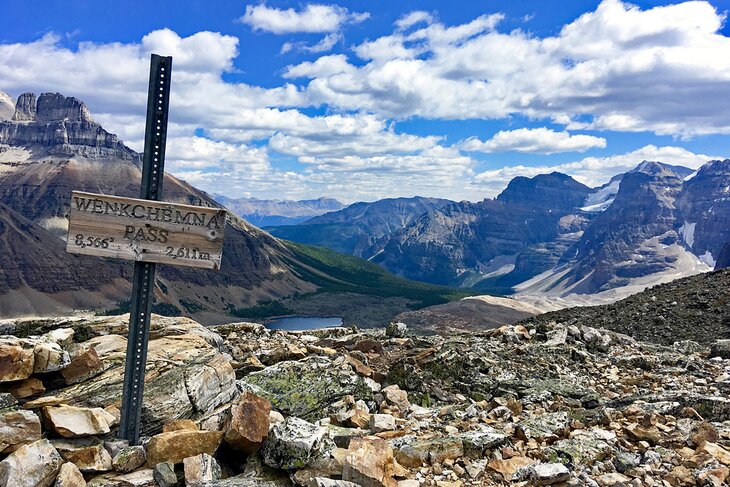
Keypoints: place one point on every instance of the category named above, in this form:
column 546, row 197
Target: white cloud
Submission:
column 313, row 18
column 539, row 140
column 594, row 171
column 664, row 70
column 413, row 18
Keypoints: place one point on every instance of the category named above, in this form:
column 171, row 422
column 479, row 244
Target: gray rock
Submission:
column 164, row 474
column 721, row 348
column 476, row 442
column 200, row 470
column 624, row 461
column 549, row 473
column 295, row 443
column 18, row 428
column 325, row 482
column 396, row 330
column 32, row 465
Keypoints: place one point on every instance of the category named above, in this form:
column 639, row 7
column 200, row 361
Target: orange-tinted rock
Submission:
column 249, row 424
column 174, row 446
column 16, row 359
column 83, row 367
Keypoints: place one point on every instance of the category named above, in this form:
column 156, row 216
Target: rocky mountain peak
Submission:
column 7, row 106
column 50, row 107
column 549, row 191
column 61, row 126
column 25, row 108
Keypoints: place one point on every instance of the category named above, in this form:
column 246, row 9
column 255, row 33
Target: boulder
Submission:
column 249, row 423
column 176, row 365
column 325, row 482
column 72, row 422
column 477, row 441
column 396, row 397
column 307, row 388
column 433, row 450
column 33, row 465
column 16, row 359
column 201, row 470
column 549, row 473
column 83, row 367
column 721, row 348
column 174, row 446
column 138, row 478
column 18, row 428
column 69, row 476
column 396, row 330
column 88, row 454
column 369, row 463
column 25, row 388
column 129, row 459
column 382, row 422
column 49, row 357
column 164, row 474
column 295, row 443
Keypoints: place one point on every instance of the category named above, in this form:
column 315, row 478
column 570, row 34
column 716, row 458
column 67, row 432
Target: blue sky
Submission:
column 363, row 100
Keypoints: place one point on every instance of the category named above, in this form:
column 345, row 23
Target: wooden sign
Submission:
column 145, row 230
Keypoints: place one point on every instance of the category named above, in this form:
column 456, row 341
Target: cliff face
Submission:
column 51, row 147
column 705, row 206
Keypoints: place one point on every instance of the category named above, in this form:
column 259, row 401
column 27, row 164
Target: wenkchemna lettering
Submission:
column 150, row 213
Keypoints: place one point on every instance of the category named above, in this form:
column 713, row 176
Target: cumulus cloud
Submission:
column 539, row 140
column 664, row 69
column 313, row 18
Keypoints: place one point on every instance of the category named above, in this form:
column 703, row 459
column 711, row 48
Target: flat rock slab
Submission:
column 175, row 446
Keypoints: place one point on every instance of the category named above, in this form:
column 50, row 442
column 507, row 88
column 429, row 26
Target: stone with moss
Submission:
column 306, row 388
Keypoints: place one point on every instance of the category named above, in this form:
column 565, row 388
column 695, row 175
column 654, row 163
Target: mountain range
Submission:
column 51, row 145
column 264, row 213
column 548, row 235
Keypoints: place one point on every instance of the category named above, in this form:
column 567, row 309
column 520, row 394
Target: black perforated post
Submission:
column 158, row 100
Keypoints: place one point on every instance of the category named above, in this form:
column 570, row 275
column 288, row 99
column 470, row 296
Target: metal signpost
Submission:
column 147, row 231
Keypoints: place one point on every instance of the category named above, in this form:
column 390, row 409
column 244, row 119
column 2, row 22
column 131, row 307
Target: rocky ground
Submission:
column 239, row 405
column 694, row 308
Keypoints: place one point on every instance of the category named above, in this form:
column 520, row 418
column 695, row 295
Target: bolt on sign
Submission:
column 145, row 230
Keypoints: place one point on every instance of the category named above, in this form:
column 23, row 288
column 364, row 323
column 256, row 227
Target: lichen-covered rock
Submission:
column 295, row 443
column 16, row 359
column 69, row 476
column 17, row 428
column 33, row 465
column 174, row 446
column 72, row 422
column 164, row 474
column 308, row 388
column 249, row 423
column 129, row 459
column 88, row 454
column 477, row 441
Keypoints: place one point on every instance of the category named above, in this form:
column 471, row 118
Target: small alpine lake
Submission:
column 299, row 323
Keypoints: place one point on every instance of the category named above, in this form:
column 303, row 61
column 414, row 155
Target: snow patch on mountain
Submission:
column 688, row 233
column 603, row 197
